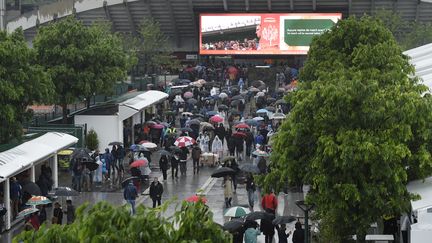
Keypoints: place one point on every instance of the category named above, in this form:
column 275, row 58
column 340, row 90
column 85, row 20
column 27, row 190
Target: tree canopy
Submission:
column 22, row 83
column 360, row 128
column 105, row 223
column 82, row 61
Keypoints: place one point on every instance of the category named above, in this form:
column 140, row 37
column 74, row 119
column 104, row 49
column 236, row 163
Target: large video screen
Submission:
column 268, row 34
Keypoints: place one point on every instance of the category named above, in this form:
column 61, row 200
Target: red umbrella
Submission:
column 216, row 119
column 242, row 126
column 184, row 141
column 138, row 163
column 239, row 134
column 157, row 126
column 196, row 198
column 188, row 95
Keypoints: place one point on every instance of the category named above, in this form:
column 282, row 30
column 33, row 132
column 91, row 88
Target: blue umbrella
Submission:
column 251, row 122
column 262, row 111
column 212, row 113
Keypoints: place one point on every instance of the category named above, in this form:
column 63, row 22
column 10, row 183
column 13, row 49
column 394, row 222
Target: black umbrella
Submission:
column 90, row 165
column 205, row 93
column 248, row 167
column 198, row 115
column 32, row 189
column 186, row 129
column 233, row 225
column 284, row 219
column 222, row 172
column 194, row 121
column 270, row 108
column 82, row 154
column 164, row 152
column 115, row 143
column 126, row 181
column 270, row 100
column 237, row 97
column 64, row 192
column 228, row 158
column 192, row 101
column 235, row 102
column 280, row 102
column 257, row 83
column 260, row 215
column 223, row 107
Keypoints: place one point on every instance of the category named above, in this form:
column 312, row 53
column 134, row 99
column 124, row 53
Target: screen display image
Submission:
column 267, row 34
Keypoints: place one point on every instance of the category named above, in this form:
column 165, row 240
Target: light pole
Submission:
column 305, row 208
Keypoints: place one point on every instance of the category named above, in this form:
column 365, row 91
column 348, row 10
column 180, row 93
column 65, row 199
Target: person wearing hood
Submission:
column 217, row 147
column 163, row 165
column 97, row 176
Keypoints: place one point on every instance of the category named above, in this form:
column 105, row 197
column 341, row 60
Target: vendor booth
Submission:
column 115, row 120
column 22, row 164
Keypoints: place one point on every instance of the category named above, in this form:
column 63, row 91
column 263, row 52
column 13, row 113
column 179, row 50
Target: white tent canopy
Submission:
column 421, row 58
column 139, row 102
column 25, row 155
column 424, row 189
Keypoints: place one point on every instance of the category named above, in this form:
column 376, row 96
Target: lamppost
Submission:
column 305, row 208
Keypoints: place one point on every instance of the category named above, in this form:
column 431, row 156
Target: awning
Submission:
column 421, row 58
column 424, row 189
column 133, row 105
column 23, row 156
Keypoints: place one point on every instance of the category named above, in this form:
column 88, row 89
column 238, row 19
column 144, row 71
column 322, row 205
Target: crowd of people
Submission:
column 235, row 45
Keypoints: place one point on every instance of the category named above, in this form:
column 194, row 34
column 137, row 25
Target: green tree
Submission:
column 358, row 131
column 92, row 141
column 22, row 83
column 152, row 47
column 105, row 223
column 82, row 61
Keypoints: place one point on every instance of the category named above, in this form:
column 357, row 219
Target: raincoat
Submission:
column 97, row 176
column 217, row 147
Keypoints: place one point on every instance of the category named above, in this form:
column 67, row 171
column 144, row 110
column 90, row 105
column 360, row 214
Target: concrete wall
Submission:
column 107, row 128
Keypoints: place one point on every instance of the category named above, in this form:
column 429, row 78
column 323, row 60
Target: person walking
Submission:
column 57, row 214
column 163, row 165
column 250, row 188
column 70, row 212
column 156, row 190
column 298, row 235
column 228, row 191
column 130, row 194
column 268, row 229
column 269, row 202
column 282, row 235
column 174, row 165
column 196, row 155
column 183, row 159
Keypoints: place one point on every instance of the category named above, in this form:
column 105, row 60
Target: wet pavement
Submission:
column 177, row 190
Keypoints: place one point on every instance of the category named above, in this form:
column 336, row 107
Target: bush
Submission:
column 92, row 141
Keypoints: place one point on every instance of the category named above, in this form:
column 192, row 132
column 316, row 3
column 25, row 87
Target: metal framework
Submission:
column 129, row 15
column 108, row 15
column 225, row 5
column 292, row 5
column 247, row 7
column 269, row 5
column 173, row 23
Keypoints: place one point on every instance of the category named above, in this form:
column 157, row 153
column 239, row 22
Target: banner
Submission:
column 267, row 34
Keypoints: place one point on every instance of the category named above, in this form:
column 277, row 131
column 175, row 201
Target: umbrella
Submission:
column 233, row 225
column 188, row 95
column 251, row 122
column 138, row 163
column 223, row 95
column 260, row 94
column 157, row 126
column 164, row 152
column 242, row 126
column 206, row 124
column 278, row 116
column 228, row 158
column 194, row 121
column 26, row 212
column 82, row 154
column 222, row 172
column 166, row 124
column 239, row 134
column 212, row 113
column 187, row 113
column 32, row 189
column 198, row 116
column 149, row 145
column 270, row 108
column 270, row 100
column 251, row 168
column 262, row 111
column 178, row 99
column 186, row 129
column 141, row 149
column 253, row 89
column 38, row 200
column 184, row 141
column 223, row 107
column 126, row 181
column 235, row 102
column 144, row 141
column 257, row 83
column 236, row 212
column 196, row 198
column 237, row 97
column 90, row 165
column 150, row 123
column 258, row 118
column 64, row 192
column 216, row 119
column 192, row 101
column 284, row 219
column 115, row 143
column 260, row 215
column 175, row 149
column 261, row 153
column 280, row 102
column 262, row 87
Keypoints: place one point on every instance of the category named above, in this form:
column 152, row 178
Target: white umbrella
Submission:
column 223, row 95
column 149, row 145
column 260, row 94
column 236, row 212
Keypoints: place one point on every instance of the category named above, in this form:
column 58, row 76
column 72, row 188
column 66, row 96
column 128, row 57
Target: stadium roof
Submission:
column 179, row 19
column 421, row 58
